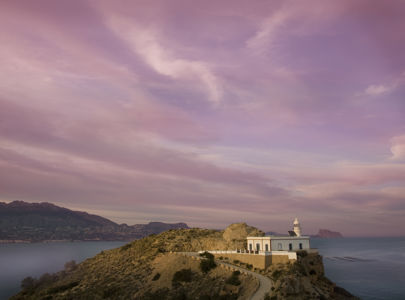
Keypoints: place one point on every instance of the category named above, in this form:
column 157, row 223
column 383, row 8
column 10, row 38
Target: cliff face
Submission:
column 304, row 279
column 36, row 222
column 148, row 269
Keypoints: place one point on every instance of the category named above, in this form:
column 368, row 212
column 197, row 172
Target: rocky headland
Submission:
column 155, row 267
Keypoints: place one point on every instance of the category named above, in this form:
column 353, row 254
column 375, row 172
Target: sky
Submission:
column 207, row 112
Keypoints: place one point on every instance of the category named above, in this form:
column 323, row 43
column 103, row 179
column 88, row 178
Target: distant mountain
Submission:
column 34, row 222
column 325, row 233
column 157, row 227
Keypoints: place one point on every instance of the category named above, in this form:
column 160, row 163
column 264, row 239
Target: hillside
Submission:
column 34, row 222
column 150, row 268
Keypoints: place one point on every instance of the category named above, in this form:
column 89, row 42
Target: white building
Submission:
column 293, row 242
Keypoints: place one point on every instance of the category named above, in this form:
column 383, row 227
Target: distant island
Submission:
column 38, row 222
column 325, row 233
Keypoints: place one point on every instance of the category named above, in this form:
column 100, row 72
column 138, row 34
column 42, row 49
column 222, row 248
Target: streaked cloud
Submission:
column 268, row 30
column 374, row 90
column 207, row 112
column 147, row 43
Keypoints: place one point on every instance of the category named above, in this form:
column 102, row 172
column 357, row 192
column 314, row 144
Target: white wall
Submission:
column 261, row 242
column 284, row 243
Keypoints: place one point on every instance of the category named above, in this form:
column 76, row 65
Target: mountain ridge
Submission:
column 22, row 221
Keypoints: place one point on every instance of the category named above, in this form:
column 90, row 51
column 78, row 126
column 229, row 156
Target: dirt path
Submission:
column 265, row 283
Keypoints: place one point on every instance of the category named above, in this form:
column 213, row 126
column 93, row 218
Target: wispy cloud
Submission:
column 147, row 43
column 380, row 89
column 218, row 111
column 268, row 30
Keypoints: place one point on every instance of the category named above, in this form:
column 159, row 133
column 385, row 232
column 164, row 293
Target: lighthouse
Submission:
column 279, row 245
column 297, row 227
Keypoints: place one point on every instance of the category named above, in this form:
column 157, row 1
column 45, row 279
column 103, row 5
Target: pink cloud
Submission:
column 398, row 148
column 146, row 44
column 217, row 111
column 379, row 89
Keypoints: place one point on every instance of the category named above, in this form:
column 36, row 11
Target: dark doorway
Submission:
column 290, row 246
column 267, row 247
column 300, row 246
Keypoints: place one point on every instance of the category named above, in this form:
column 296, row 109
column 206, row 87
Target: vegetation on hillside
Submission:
column 208, row 262
column 154, row 268
column 234, row 279
column 131, row 272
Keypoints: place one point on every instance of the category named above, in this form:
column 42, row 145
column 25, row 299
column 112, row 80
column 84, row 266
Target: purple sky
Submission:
column 207, row 112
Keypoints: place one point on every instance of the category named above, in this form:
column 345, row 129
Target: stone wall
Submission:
column 278, row 259
column 257, row 261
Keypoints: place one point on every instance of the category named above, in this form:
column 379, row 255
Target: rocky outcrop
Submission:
column 232, row 238
column 304, row 279
column 240, row 231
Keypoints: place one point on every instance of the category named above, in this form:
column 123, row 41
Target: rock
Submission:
column 326, row 233
column 239, row 231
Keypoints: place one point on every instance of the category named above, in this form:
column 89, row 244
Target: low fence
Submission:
column 220, row 251
column 291, row 255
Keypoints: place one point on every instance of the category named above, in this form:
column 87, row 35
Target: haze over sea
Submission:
column 18, row 261
column 370, row 268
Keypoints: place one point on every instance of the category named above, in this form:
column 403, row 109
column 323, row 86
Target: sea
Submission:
column 370, row 268
column 21, row 260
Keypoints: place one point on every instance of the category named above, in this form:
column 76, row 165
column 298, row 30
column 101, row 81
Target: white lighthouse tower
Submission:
column 297, row 227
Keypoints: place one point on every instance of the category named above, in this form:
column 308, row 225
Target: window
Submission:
column 250, row 247
column 280, row 246
column 267, row 247
column 290, row 246
column 301, row 246
column 257, row 247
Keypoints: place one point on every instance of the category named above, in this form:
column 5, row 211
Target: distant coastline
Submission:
column 15, row 242
column 56, row 241
column 23, row 222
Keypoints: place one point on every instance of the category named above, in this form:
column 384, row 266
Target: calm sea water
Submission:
column 18, row 261
column 371, row 268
